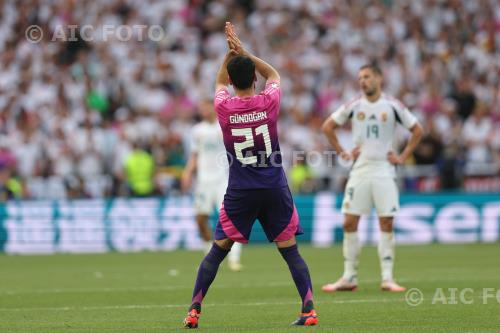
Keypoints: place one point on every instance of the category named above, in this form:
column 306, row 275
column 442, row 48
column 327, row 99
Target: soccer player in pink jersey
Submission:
column 257, row 187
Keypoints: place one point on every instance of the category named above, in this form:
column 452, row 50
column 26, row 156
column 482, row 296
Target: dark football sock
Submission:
column 206, row 274
column 300, row 275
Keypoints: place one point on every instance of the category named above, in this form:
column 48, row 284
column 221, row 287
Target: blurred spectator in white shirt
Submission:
column 477, row 133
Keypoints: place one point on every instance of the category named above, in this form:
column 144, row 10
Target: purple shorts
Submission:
column 273, row 208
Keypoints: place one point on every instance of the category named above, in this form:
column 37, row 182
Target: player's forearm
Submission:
column 190, row 168
column 416, row 136
column 329, row 131
column 222, row 77
column 332, row 138
column 264, row 69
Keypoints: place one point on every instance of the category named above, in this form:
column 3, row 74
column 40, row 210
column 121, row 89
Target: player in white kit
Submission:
column 372, row 180
column 208, row 159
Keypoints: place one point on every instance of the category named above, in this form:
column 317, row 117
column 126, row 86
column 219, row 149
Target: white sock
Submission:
column 386, row 253
column 235, row 253
column 351, row 249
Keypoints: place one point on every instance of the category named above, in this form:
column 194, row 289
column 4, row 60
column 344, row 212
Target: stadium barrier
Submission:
column 99, row 225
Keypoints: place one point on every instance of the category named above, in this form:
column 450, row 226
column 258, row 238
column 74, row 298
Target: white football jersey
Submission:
column 373, row 129
column 207, row 142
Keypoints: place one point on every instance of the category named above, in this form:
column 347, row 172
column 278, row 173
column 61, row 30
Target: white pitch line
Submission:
column 167, row 306
column 216, row 286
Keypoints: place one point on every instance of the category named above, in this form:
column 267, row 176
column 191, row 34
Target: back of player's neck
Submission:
column 373, row 98
column 245, row 93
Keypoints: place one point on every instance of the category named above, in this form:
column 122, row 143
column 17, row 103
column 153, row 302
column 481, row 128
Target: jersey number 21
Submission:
column 249, row 142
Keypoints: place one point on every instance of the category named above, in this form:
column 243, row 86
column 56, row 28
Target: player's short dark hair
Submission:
column 241, row 70
column 373, row 67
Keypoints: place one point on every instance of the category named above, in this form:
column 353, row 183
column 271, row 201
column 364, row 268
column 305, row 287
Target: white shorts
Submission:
column 363, row 194
column 208, row 197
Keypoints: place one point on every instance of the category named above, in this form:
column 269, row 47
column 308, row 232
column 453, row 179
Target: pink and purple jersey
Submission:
column 249, row 127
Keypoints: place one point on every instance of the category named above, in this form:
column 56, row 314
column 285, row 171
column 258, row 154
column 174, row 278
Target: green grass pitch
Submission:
column 150, row 292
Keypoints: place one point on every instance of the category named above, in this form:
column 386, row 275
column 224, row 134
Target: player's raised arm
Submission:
column 263, row 68
column 222, row 78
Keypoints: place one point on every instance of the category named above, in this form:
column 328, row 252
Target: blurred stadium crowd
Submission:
column 109, row 117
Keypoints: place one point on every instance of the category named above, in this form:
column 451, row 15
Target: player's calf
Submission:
column 301, row 277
